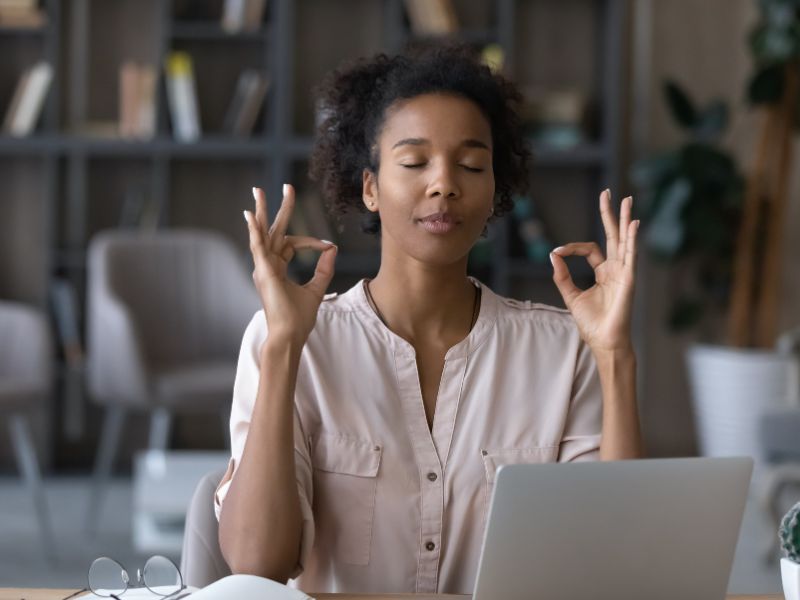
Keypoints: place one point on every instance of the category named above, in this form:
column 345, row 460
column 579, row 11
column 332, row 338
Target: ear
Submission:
column 369, row 190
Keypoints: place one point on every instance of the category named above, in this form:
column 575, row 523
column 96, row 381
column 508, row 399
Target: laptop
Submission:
column 659, row 529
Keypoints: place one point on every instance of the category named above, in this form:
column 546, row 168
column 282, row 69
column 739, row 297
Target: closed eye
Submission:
column 472, row 169
column 413, row 166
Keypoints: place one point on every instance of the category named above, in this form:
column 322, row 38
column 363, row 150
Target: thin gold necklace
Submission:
column 374, row 306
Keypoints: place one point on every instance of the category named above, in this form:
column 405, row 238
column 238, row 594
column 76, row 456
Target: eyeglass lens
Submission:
column 107, row 577
column 161, row 576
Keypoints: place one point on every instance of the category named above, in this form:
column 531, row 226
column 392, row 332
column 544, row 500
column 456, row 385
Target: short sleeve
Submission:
column 245, row 389
column 582, row 433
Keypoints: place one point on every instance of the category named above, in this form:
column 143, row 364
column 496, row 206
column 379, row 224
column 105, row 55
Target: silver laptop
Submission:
column 628, row 530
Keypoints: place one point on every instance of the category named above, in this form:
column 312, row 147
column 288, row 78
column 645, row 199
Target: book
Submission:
column 251, row 88
column 22, row 18
column 253, row 14
column 137, row 98
column 233, row 12
column 28, row 100
column 432, row 17
column 182, row 96
column 242, row 15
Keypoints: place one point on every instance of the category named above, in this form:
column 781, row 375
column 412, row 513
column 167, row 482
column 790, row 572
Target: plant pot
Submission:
column 790, row 577
column 731, row 388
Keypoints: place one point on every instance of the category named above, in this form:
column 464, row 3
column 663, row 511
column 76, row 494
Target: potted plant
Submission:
column 789, row 535
column 721, row 234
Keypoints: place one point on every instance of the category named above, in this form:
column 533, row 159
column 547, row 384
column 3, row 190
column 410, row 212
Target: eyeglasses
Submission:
column 107, row 578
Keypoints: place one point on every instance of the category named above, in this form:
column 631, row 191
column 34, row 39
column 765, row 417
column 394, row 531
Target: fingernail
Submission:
column 255, row 194
column 638, row 222
column 246, row 217
column 556, row 250
column 285, row 188
column 329, row 242
column 552, row 260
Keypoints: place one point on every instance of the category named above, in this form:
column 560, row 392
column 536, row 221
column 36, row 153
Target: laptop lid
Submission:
column 625, row 530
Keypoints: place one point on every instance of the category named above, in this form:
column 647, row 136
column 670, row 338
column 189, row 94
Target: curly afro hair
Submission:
column 353, row 101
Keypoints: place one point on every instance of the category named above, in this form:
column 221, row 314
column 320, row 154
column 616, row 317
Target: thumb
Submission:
column 563, row 280
column 324, row 272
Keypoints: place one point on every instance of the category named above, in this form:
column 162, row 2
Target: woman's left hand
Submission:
column 603, row 312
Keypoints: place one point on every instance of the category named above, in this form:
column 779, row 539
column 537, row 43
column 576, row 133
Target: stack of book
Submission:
column 242, row 15
column 137, row 101
column 251, row 88
column 182, row 96
column 28, row 100
column 432, row 17
column 23, row 14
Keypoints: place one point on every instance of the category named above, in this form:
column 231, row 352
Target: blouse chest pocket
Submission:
column 493, row 459
column 345, row 482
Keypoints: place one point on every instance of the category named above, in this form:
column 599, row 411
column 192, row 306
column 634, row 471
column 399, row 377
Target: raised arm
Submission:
column 260, row 522
column 603, row 316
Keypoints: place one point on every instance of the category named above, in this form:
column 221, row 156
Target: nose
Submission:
column 443, row 182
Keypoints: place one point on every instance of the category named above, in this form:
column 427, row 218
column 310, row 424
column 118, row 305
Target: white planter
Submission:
column 790, row 576
column 731, row 388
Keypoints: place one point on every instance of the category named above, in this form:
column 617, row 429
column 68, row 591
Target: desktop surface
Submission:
column 56, row 594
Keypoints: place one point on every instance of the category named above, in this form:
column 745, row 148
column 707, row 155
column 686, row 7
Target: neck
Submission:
column 421, row 302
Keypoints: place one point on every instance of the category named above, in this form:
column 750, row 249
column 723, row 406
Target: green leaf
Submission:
column 772, row 44
column 766, row 86
column 681, row 107
column 713, row 120
column 666, row 231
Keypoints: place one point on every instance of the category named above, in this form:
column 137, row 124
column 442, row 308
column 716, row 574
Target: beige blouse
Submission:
column 389, row 505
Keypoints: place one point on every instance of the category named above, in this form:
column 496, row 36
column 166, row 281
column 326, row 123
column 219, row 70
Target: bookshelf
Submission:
column 62, row 184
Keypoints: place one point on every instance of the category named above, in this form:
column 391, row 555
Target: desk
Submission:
column 41, row 594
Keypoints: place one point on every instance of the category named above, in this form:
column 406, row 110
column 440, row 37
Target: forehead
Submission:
column 436, row 117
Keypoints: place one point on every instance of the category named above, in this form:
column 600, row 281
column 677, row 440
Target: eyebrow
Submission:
column 469, row 143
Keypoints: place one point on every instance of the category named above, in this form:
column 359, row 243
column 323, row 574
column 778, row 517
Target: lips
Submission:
column 440, row 222
column 444, row 217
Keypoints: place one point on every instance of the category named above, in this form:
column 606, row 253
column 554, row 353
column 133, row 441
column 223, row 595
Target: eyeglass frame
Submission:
column 127, row 579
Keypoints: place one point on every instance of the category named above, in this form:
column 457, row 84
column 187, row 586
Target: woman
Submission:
column 367, row 427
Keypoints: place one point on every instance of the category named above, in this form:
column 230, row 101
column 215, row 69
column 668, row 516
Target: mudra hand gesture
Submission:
column 290, row 308
column 603, row 312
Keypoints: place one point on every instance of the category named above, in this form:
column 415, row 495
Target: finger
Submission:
column 281, row 223
column 257, row 246
column 609, row 224
column 302, row 242
column 630, row 246
column 261, row 216
column 590, row 250
column 324, row 272
column 624, row 223
column 563, row 280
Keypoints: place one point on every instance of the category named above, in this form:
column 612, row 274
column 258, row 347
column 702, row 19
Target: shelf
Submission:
column 212, row 31
column 468, row 36
column 582, row 155
column 32, row 144
column 8, row 30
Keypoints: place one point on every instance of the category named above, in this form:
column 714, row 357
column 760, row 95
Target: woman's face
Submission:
column 435, row 185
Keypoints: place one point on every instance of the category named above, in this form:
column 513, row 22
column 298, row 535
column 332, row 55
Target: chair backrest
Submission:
column 25, row 344
column 201, row 560
column 187, row 293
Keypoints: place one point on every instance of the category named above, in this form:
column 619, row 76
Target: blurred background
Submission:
column 133, row 131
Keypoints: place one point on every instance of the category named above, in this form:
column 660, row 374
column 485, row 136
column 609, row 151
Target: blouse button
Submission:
column 432, row 476
column 430, row 546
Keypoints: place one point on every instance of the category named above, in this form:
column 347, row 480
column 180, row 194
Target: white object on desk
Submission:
column 163, row 484
column 790, row 578
column 248, row 586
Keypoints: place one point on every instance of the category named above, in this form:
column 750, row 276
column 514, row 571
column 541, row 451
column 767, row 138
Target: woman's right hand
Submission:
column 291, row 309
